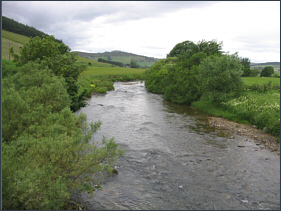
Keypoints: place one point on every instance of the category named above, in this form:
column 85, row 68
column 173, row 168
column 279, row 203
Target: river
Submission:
column 175, row 161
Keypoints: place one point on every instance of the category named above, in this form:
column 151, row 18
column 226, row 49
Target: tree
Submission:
column 47, row 151
column 247, row 73
column 245, row 63
column 267, row 71
column 219, row 77
column 134, row 64
column 255, row 72
column 155, row 76
column 179, row 83
column 246, row 67
column 58, row 58
column 184, row 50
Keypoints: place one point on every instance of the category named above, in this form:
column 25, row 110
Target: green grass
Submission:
column 260, row 109
column 255, row 108
column 10, row 39
column 6, row 45
column 15, row 37
column 99, row 77
column 260, row 80
column 112, row 71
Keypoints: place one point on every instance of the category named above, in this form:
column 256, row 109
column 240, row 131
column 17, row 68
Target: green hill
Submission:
column 11, row 25
column 275, row 65
column 10, row 39
column 120, row 56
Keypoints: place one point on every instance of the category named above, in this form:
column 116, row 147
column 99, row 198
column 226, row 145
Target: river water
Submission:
column 175, row 161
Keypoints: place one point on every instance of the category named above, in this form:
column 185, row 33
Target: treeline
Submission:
column 19, row 28
column 47, row 150
column 120, row 64
column 202, row 74
column 192, row 71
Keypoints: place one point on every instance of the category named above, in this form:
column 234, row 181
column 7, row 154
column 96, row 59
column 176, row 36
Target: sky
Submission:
column 153, row 28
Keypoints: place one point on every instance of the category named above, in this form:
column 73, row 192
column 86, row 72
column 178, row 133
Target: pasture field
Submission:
column 15, row 37
column 260, row 80
column 260, row 107
column 6, row 45
column 103, row 70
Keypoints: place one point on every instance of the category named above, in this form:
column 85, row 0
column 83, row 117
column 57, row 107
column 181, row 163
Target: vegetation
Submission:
column 97, row 79
column 260, row 81
column 179, row 80
column 120, row 64
column 202, row 75
column 9, row 40
column 260, row 109
column 267, row 71
column 120, row 56
column 57, row 57
column 47, row 151
column 220, row 78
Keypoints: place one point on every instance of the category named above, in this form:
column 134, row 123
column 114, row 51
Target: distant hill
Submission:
column 120, row 56
column 275, row 65
column 11, row 25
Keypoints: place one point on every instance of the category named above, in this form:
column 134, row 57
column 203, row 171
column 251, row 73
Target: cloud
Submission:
column 153, row 28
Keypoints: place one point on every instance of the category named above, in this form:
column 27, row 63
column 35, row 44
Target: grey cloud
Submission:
column 42, row 13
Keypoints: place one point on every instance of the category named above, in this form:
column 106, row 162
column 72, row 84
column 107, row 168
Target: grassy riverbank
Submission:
column 99, row 77
column 259, row 107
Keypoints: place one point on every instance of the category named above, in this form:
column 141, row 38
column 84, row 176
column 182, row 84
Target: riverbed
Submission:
column 175, row 160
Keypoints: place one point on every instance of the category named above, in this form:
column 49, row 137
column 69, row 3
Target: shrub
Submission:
column 219, row 77
column 267, row 71
column 47, row 151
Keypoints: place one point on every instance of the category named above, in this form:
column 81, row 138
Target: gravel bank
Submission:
column 265, row 140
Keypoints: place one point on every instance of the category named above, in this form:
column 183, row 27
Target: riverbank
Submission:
column 266, row 141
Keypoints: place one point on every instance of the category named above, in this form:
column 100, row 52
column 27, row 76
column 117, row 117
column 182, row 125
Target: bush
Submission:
column 267, row 71
column 47, row 151
column 58, row 58
column 219, row 78
column 155, row 76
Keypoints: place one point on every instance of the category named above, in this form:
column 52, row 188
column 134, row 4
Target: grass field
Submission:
column 92, row 70
column 15, row 37
column 260, row 108
column 260, row 80
column 6, row 45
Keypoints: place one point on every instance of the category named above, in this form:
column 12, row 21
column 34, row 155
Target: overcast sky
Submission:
column 153, row 28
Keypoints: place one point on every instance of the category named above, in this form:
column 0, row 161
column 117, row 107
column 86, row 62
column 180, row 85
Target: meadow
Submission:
column 260, row 80
column 99, row 77
column 259, row 107
column 10, row 39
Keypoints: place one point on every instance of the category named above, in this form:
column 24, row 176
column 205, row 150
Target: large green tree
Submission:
column 155, row 77
column 220, row 77
column 47, row 151
column 247, row 72
column 182, row 85
column 267, row 71
column 59, row 59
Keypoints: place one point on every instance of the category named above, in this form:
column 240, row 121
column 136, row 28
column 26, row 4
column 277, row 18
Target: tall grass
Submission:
column 99, row 77
column 256, row 108
column 260, row 109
